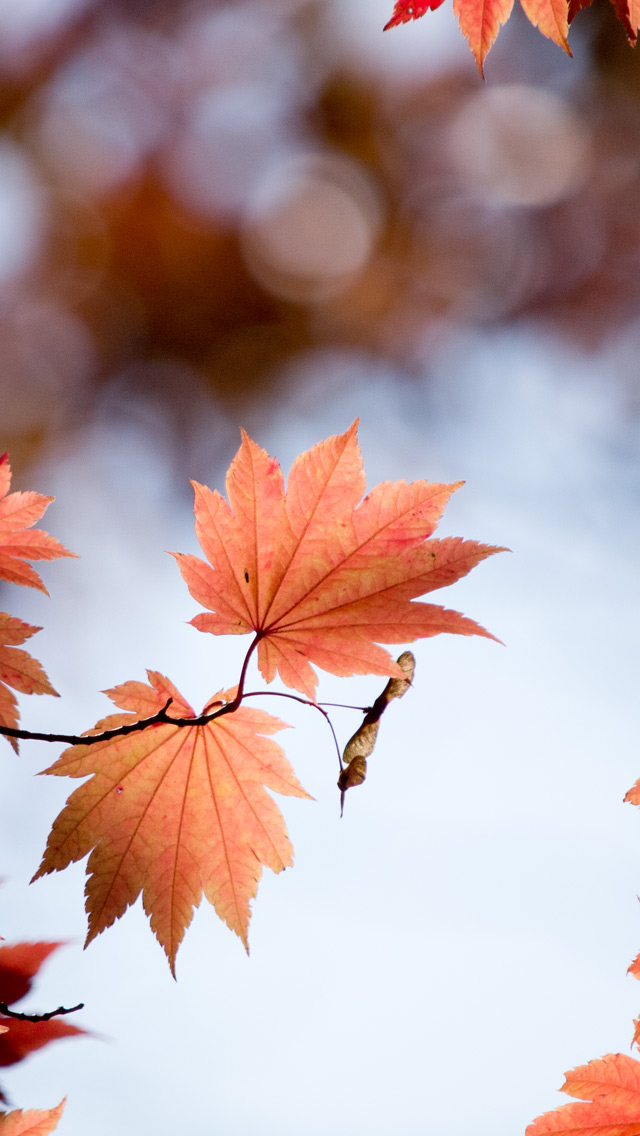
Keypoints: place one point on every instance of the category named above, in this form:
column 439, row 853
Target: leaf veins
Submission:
column 174, row 812
column 320, row 575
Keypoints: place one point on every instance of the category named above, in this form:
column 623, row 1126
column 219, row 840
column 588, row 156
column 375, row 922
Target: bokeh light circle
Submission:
column 520, row 145
column 311, row 226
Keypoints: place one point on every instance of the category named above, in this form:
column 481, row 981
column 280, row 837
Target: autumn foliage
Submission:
column 175, row 804
column 174, row 812
column 481, row 20
column 608, row 1090
column 318, row 575
column 19, row 964
column 19, row 543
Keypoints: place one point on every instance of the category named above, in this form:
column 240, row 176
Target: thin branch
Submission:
column 162, row 717
column 143, row 723
column 305, row 702
column 345, row 706
column 243, row 674
column 4, row 1009
column 91, row 739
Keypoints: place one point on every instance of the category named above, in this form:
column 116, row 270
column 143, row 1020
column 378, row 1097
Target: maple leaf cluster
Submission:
column 176, row 805
column 481, row 20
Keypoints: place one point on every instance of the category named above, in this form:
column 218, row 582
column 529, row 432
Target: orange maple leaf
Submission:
column 611, row 1086
column 551, row 17
column 18, row 512
column 174, row 812
column 18, row 669
column 319, row 577
column 34, row 1122
column 479, row 20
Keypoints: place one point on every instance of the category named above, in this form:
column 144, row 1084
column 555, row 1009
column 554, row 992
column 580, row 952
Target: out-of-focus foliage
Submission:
column 194, row 195
column 19, row 965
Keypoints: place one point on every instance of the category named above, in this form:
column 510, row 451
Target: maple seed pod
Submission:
column 361, row 744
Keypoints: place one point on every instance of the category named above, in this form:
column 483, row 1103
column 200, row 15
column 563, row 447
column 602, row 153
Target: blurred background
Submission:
column 268, row 214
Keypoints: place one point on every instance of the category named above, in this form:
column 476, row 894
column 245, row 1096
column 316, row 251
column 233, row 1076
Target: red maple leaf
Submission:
column 22, row 1038
column 174, row 812
column 406, row 10
column 317, row 575
column 34, row 1122
column 609, row 1092
column 18, row 513
column 19, row 963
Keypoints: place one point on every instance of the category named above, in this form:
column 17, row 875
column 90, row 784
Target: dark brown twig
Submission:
column 134, row 727
column 4, row 1009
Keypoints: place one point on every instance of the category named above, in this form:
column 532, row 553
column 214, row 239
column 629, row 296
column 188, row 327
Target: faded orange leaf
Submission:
column 552, row 19
column 319, row 574
column 174, row 812
column 18, row 669
column 480, row 21
column 34, row 1122
column 18, row 513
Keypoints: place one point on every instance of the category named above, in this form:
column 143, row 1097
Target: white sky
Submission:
column 437, row 959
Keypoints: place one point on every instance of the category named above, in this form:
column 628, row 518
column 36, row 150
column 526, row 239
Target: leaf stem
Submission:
column 143, row 723
column 162, row 717
column 305, row 702
column 345, row 706
column 229, row 707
